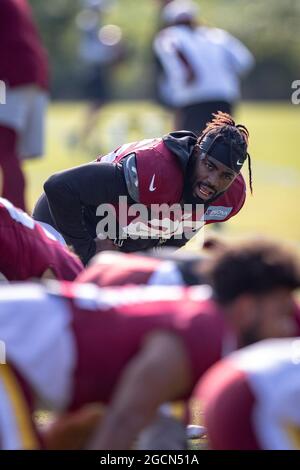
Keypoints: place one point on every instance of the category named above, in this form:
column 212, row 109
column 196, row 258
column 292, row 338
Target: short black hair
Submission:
column 253, row 267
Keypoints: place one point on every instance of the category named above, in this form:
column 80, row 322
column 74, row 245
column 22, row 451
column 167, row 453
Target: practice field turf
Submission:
column 274, row 132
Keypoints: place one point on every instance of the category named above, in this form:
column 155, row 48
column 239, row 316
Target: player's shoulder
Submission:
column 92, row 297
column 124, row 269
column 14, row 214
column 6, row 206
column 236, row 194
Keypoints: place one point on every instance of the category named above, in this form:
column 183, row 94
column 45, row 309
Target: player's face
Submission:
column 210, row 177
column 273, row 318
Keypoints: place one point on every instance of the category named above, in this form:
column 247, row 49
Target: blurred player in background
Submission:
column 101, row 48
column 252, row 398
column 199, row 67
column 24, row 69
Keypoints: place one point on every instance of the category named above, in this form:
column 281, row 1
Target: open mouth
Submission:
column 204, row 191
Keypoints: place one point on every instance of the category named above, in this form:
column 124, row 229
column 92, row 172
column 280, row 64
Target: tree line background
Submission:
column 269, row 28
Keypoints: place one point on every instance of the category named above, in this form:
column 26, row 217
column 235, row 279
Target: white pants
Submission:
column 24, row 111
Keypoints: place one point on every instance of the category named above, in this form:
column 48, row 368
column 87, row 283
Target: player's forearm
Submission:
column 66, row 211
column 134, row 404
column 119, row 431
column 159, row 373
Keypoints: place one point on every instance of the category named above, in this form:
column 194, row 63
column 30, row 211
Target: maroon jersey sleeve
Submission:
column 228, row 404
column 27, row 250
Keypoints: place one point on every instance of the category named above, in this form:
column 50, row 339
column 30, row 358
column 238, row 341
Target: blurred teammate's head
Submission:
column 254, row 281
column 180, row 12
column 219, row 155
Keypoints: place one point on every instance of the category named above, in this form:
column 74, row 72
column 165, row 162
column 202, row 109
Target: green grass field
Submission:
column 274, row 132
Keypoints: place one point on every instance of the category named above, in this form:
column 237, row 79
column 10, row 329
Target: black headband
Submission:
column 224, row 153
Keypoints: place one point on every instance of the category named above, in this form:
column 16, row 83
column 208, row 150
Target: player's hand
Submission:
column 73, row 430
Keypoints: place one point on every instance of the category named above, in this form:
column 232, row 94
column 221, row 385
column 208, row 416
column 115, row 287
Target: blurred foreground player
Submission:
column 135, row 349
column 114, row 268
column 252, row 398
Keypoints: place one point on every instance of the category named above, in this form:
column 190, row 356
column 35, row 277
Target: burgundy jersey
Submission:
column 23, row 60
column 222, row 390
column 27, row 250
column 251, row 398
column 119, row 269
column 155, row 175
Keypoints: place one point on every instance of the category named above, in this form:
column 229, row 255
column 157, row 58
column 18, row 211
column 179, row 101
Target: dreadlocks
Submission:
column 254, row 266
column 236, row 136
